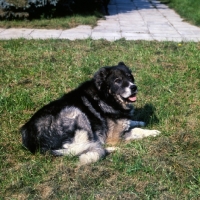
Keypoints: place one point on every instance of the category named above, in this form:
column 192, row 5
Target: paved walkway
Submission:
column 129, row 19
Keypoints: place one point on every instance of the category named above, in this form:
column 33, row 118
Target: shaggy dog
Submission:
column 98, row 112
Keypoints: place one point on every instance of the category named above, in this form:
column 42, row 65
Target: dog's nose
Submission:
column 133, row 88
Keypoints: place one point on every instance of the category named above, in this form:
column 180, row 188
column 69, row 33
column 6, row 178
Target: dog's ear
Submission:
column 100, row 77
column 121, row 63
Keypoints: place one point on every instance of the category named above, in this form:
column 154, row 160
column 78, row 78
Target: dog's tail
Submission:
column 28, row 140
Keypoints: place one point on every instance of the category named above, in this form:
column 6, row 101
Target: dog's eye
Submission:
column 129, row 75
column 118, row 80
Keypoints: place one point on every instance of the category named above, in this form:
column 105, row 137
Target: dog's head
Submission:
column 117, row 82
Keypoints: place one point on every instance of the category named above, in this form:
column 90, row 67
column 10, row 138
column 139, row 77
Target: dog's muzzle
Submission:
column 130, row 93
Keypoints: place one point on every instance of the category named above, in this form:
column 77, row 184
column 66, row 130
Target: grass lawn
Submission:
column 53, row 23
column 34, row 72
column 190, row 10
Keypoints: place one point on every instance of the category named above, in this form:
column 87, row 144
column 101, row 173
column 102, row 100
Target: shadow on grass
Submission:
column 146, row 114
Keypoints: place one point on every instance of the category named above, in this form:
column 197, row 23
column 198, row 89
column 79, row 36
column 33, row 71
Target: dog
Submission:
column 82, row 121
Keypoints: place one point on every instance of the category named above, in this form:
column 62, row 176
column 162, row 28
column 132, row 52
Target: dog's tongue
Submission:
column 132, row 98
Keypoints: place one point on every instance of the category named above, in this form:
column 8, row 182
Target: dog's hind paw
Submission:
column 111, row 149
column 89, row 157
column 153, row 133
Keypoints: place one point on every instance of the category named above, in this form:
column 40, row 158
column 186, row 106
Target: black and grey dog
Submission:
column 99, row 111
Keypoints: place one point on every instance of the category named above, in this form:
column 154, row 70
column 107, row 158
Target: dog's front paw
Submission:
column 138, row 133
column 153, row 133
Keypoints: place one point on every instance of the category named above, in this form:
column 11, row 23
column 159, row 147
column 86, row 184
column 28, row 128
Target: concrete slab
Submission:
column 160, row 38
column 2, row 29
column 44, row 34
column 133, row 29
column 74, row 36
column 132, row 23
column 136, row 36
column 174, row 39
column 110, row 36
column 13, row 33
column 162, row 30
column 80, row 32
column 79, row 29
column 176, row 35
column 106, row 30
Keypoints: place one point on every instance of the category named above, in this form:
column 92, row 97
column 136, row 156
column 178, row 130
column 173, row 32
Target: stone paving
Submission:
column 129, row 19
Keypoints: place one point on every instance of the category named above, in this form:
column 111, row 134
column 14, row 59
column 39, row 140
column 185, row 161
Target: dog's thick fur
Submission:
column 98, row 112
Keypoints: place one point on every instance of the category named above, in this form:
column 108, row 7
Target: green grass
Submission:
column 190, row 10
column 34, row 72
column 53, row 23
